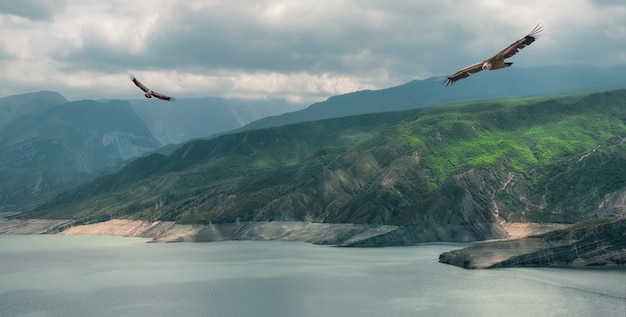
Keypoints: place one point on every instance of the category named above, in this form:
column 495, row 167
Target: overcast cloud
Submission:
column 301, row 50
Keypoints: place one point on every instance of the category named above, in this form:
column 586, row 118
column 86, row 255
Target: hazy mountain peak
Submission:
column 51, row 97
column 12, row 107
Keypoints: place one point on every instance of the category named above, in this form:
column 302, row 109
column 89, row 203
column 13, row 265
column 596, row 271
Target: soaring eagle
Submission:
column 496, row 61
column 148, row 92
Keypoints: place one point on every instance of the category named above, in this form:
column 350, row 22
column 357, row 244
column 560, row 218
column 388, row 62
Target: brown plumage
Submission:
column 496, row 61
column 148, row 92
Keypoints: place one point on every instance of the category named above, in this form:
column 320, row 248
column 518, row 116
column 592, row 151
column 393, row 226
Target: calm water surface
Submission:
column 112, row 276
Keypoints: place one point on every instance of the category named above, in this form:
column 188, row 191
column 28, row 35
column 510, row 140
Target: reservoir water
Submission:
column 44, row 275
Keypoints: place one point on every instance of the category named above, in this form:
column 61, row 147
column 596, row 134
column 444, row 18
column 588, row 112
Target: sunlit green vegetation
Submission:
column 480, row 135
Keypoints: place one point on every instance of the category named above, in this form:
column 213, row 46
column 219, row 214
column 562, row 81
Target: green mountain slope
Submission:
column 202, row 164
column 444, row 173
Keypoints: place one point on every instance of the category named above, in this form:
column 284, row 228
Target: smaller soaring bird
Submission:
column 148, row 92
column 496, row 61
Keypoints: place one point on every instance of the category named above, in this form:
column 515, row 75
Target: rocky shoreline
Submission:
column 600, row 242
column 339, row 234
column 349, row 235
column 165, row 231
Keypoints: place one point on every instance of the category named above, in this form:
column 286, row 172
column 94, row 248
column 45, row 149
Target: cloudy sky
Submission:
column 300, row 50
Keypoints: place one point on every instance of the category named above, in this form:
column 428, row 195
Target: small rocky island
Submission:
column 592, row 243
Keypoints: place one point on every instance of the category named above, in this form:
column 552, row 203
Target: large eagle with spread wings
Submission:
column 148, row 92
column 496, row 61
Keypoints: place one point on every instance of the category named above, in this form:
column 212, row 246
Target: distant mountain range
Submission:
column 502, row 84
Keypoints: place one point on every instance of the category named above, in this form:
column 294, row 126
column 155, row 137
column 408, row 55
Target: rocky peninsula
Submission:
column 593, row 243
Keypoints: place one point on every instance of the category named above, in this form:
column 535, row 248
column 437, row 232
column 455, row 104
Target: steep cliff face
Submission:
column 127, row 145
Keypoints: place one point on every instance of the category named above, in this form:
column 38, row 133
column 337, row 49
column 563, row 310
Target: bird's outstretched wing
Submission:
column 162, row 96
column 138, row 83
column 501, row 56
column 521, row 43
column 463, row 73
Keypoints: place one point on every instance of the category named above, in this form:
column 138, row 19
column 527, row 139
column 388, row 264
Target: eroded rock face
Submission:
column 582, row 245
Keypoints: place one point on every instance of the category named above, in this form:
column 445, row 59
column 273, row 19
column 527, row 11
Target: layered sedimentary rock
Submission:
column 593, row 243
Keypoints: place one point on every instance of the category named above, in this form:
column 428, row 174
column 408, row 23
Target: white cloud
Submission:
column 301, row 50
column 33, row 9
